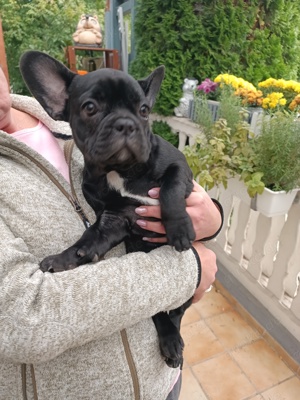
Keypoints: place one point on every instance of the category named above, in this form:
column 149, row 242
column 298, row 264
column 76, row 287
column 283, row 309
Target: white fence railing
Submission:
column 262, row 253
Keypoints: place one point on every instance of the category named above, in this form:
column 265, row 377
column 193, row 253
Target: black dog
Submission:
column 108, row 112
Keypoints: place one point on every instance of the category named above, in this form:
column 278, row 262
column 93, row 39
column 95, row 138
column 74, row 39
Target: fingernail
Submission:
column 141, row 210
column 153, row 192
column 141, row 222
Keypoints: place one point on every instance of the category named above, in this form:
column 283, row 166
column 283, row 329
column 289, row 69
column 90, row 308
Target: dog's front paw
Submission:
column 71, row 258
column 171, row 348
column 180, row 234
column 57, row 263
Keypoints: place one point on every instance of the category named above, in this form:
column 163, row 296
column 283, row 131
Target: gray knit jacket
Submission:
column 83, row 334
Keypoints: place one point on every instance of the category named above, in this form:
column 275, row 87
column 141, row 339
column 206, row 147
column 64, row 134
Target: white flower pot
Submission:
column 272, row 203
column 269, row 203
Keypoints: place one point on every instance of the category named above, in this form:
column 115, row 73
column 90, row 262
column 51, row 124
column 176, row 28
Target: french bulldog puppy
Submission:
column 108, row 111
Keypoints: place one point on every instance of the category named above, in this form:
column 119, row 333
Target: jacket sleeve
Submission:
column 220, row 208
column 44, row 314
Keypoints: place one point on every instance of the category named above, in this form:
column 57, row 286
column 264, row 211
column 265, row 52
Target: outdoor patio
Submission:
column 229, row 356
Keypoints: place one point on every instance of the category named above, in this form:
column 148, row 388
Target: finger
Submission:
column 156, row 240
column 149, row 211
column 153, row 226
column 154, row 192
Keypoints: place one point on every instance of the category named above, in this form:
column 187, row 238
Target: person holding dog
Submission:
column 85, row 333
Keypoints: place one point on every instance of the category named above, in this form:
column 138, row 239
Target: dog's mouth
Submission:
column 119, row 143
column 122, row 157
column 119, row 156
column 127, row 156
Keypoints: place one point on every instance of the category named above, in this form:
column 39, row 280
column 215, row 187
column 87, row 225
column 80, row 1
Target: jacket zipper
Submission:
column 75, row 203
column 131, row 364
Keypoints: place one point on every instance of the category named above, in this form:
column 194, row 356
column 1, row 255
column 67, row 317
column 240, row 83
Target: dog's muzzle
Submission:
column 121, row 141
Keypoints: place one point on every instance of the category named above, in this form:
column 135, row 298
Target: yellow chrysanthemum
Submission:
column 268, row 82
column 234, row 81
column 265, row 103
column 282, row 91
column 282, row 102
column 283, row 84
column 274, row 99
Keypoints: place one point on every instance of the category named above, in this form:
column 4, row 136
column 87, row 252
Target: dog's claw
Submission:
column 81, row 253
column 181, row 243
column 171, row 349
column 174, row 363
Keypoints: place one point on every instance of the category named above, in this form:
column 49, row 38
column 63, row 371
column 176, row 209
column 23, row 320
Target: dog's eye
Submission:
column 89, row 108
column 144, row 111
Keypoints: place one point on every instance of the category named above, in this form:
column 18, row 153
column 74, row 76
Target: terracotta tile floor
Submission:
column 227, row 356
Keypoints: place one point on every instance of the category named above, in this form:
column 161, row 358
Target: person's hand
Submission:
column 205, row 215
column 208, row 269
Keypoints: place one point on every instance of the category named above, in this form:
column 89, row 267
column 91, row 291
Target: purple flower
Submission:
column 207, row 86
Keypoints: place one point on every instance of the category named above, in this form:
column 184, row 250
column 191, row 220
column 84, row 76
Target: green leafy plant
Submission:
column 208, row 158
column 227, row 148
column 254, row 183
column 224, row 148
column 277, row 151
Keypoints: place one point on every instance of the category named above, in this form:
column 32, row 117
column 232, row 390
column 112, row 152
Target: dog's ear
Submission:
column 152, row 83
column 48, row 80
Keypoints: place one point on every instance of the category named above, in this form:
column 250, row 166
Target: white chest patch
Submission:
column 117, row 183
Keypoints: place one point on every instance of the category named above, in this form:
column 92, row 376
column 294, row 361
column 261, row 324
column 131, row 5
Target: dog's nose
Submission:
column 125, row 126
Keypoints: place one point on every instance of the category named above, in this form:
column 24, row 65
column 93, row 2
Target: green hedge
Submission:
column 251, row 39
column 162, row 129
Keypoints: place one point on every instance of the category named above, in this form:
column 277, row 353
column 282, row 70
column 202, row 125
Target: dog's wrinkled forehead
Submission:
column 113, row 87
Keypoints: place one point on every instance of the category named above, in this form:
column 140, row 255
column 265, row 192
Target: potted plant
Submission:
column 205, row 98
column 222, row 150
column 277, row 157
column 266, row 163
column 270, row 93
